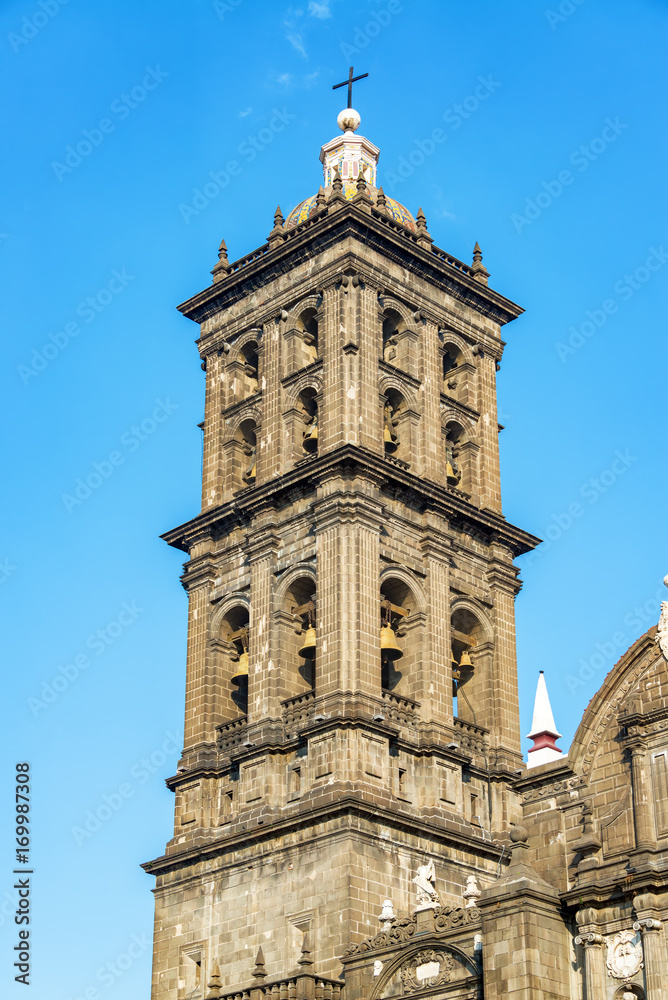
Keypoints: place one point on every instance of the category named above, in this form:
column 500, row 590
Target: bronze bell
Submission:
column 242, row 668
column 456, row 672
column 308, row 648
column 388, row 644
column 390, row 443
column 465, row 660
column 451, row 476
column 310, row 442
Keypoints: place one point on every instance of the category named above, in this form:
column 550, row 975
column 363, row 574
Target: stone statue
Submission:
column 662, row 627
column 424, row 879
column 472, row 891
column 387, row 916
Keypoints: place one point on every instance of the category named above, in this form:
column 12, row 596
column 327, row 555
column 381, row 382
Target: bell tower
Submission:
column 351, row 707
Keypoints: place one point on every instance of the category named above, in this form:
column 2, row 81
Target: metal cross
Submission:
column 350, row 81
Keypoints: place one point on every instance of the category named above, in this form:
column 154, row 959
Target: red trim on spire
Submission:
column 543, row 740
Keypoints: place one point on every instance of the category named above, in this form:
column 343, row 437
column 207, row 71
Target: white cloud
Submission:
column 319, row 9
column 297, row 42
column 285, row 79
column 243, row 114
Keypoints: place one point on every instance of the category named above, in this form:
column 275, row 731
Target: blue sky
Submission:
column 551, row 153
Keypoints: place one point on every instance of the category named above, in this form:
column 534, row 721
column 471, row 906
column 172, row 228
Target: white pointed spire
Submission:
column 544, row 732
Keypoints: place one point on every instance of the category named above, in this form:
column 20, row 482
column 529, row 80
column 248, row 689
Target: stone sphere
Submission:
column 665, row 580
column 519, row 835
column 348, row 120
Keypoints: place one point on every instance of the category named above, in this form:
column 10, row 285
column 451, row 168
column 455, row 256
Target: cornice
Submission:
column 434, row 265
column 329, row 812
column 445, row 501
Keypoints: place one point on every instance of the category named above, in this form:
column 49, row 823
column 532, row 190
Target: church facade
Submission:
column 354, row 819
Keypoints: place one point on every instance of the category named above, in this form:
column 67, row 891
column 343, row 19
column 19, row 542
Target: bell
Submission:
column 388, row 644
column 252, row 474
column 310, row 442
column 451, row 476
column 242, row 668
column 390, row 444
column 465, row 660
column 308, row 649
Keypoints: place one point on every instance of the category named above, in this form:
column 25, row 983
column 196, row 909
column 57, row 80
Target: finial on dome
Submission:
column 305, row 957
column 222, row 267
column 214, row 983
column 348, row 120
column 277, row 235
column 424, row 239
column 259, row 972
column 480, row 272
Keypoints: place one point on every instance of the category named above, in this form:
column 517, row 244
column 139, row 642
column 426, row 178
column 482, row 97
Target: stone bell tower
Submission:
column 351, row 695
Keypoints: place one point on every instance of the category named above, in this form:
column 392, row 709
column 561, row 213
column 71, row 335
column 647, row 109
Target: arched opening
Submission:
column 396, row 655
column 452, row 358
column 251, row 363
column 234, row 632
column 470, row 654
column 301, row 341
column 300, row 647
column 308, row 403
column 394, row 410
column 455, row 437
column 399, row 342
column 392, row 326
column 308, row 327
column 246, row 436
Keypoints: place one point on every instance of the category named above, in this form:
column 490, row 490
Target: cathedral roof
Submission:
column 350, row 157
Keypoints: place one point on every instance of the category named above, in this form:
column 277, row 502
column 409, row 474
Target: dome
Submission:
column 305, row 209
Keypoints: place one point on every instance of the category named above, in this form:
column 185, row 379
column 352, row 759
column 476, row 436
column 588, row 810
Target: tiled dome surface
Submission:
column 306, row 208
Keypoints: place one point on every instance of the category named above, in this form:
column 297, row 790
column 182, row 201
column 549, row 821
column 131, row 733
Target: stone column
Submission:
column 654, row 945
column 433, row 454
column 497, row 705
column 347, row 544
column 212, row 461
column 270, row 437
column 594, row 965
column 490, row 478
column 203, row 702
column 642, row 797
column 435, row 688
